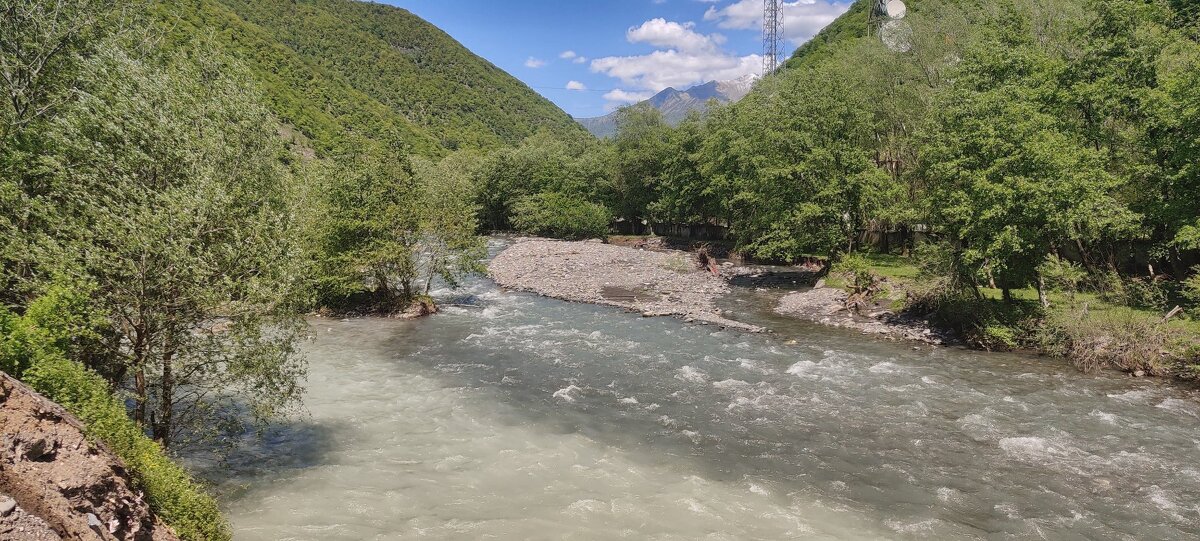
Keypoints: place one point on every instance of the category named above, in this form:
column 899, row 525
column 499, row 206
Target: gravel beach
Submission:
column 654, row 283
column 827, row 306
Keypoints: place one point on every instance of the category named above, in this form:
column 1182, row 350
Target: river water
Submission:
column 517, row 417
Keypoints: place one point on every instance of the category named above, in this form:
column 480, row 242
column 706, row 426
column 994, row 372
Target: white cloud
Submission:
column 576, row 85
column 802, row 19
column 662, row 69
column 572, row 56
column 618, row 97
column 663, row 33
column 534, row 63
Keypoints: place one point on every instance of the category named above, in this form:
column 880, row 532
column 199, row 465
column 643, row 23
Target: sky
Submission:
column 591, row 56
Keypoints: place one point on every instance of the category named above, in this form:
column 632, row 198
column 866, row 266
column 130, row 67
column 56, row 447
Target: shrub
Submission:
column 1117, row 338
column 32, row 350
column 1062, row 275
column 1145, row 293
column 1191, row 287
column 855, row 269
column 558, row 215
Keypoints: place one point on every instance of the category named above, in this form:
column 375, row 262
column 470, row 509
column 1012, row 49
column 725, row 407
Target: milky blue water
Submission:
column 517, row 417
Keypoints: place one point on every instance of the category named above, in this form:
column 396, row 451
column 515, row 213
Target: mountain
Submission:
column 676, row 105
column 332, row 67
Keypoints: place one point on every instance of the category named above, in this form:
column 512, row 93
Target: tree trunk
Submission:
column 1041, row 288
column 162, row 426
column 139, row 411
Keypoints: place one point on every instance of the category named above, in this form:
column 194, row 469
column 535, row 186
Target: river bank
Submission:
column 658, row 281
column 56, row 484
column 653, row 283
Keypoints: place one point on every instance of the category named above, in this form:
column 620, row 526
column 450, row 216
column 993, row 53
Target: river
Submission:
column 517, row 417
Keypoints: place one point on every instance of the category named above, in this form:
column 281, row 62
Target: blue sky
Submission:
column 615, row 52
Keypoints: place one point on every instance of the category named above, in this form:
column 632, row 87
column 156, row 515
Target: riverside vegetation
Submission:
column 181, row 181
column 178, row 187
column 1046, row 149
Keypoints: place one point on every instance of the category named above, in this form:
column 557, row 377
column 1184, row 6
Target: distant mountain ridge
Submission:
column 676, row 105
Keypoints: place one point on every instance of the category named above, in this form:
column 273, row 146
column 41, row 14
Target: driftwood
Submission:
column 1174, row 312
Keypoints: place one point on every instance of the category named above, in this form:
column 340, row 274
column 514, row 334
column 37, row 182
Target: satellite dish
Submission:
column 896, row 35
column 895, row 9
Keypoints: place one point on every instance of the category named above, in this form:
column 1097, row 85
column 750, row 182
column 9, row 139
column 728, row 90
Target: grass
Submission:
column 1105, row 335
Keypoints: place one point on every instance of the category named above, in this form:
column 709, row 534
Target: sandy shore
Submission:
column 827, row 306
column 653, row 283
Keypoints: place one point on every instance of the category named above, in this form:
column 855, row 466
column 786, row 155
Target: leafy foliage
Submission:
column 330, row 66
column 560, row 215
column 34, row 348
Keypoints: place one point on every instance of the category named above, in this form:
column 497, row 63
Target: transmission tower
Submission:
column 772, row 34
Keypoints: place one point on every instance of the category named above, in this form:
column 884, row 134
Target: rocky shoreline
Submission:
column 827, row 306
column 653, row 283
column 665, row 282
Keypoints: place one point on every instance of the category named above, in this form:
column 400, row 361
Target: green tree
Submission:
column 450, row 247
column 641, row 148
column 370, row 228
column 171, row 198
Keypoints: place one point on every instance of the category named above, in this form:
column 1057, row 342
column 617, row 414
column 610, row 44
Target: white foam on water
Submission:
column 949, row 495
column 920, row 527
column 1175, row 405
column 690, row 374
column 585, row 507
column 569, row 393
column 885, row 367
column 628, row 400
column 730, row 385
column 1135, row 396
column 1110, row 418
column 803, row 368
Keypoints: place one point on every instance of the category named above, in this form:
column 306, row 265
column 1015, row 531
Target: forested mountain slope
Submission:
column 336, row 66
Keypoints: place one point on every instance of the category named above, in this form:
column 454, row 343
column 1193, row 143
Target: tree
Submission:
column 370, row 229
column 171, row 198
column 641, row 147
column 450, row 247
column 1010, row 179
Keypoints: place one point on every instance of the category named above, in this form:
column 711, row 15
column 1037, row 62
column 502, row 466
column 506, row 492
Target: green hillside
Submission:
column 852, row 24
column 331, row 66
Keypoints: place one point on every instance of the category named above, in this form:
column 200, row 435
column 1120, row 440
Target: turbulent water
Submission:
column 517, row 417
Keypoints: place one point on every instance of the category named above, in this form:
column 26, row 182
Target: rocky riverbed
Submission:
column 654, row 283
column 827, row 306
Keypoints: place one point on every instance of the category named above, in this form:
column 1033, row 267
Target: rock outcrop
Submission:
column 62, row 486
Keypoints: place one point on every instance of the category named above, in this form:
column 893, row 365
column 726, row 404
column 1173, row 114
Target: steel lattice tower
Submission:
column 772, row 34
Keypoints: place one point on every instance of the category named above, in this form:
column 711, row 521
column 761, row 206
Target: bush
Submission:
column 558, row 215
column 1191, row 287
column 31, row 349
column 1062, row 275
column 1146, row 293
column 855, row 269
column 1118, row 338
